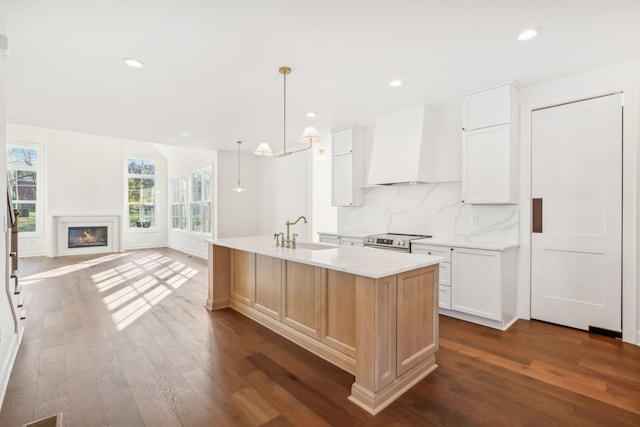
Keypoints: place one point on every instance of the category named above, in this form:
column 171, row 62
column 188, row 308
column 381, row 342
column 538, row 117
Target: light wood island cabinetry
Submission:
column 339, row 304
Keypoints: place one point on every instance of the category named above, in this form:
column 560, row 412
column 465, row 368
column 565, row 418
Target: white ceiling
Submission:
column 211, row 74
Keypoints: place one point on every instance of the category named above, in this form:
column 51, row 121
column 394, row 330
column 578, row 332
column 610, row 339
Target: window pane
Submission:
column 27, row 217
column 196, row 209
column 134, row 190
column 25, row 177
column 141, row 167
column 196, row 186
column 175, row 190
column 26, row 192
column 148, row 191
column 207, row 184
column 183, row 189
column 22, row 157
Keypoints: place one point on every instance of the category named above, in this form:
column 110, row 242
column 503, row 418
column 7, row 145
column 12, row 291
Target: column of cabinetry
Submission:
column 347, row 166
column 490, row 125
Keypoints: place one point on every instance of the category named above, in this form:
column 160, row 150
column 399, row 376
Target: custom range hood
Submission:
column 403, row 148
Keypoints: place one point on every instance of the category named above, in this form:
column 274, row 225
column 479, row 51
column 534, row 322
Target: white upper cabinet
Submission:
column 347, row 166
column 490, row 142
column 342, row 141
column 490, row 107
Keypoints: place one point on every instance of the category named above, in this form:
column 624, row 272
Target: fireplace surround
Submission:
column 86, row 234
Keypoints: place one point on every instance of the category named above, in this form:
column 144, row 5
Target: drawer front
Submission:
column 351, row 241
column 445, row 297
column 441, row 251
column 445, row 273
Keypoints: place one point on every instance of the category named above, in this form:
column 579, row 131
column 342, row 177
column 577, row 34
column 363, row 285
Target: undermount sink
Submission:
column 314, row 246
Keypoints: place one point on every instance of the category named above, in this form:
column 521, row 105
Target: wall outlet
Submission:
column 473, row 218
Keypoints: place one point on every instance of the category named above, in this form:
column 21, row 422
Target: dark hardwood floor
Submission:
column 124, row 340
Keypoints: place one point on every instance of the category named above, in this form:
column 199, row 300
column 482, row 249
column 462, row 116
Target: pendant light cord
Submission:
column 284, row 128
column 239, row 164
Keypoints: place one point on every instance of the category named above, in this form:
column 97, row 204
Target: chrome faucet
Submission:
column 291, row 243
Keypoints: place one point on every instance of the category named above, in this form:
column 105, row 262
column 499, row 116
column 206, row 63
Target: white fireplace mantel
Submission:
column 61, row 224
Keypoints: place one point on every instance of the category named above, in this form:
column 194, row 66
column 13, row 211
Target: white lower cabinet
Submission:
column 477, row 285
column 476, row 274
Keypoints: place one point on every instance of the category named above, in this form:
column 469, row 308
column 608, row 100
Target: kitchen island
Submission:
column 371, row 312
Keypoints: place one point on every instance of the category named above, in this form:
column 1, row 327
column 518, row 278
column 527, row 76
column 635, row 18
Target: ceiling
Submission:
column 211, row 74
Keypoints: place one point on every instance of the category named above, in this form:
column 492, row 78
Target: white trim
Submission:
column 7, row 366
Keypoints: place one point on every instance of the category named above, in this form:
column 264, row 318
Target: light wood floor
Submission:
column 124, row 340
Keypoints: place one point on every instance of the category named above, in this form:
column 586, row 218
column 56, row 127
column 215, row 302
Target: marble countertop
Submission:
column 368, row 262
column 493, row 246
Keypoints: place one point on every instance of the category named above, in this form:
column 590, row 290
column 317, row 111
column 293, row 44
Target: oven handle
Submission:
column 387, row 248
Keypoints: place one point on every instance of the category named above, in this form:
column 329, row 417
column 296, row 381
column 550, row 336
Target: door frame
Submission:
column 604, row 81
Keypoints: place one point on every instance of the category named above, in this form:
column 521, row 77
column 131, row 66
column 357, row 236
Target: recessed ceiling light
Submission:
column 311, row 114
column 528, row 34
column 134, row 63
column 395, row 83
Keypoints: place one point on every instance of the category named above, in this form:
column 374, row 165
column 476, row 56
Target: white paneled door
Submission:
column 576, row 240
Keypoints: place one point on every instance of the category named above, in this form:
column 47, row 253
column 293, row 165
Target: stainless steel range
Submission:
column 392, row 241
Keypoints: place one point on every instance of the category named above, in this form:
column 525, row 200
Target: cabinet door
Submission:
column 342, row 142
column 342, row 180
column 476, row 283
column 489, row 107
column 268, row 297
column 302, row 296
column 339, row 312
column 243, row 276
column 487, row 171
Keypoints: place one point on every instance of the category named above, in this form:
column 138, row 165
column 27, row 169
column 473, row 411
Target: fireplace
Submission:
column 86, row 234
column 82, row 237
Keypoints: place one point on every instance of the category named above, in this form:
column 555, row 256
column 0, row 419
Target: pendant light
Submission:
column 239, row 188
column 308, row 136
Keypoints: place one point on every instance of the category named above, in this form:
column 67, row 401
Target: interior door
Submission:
column 576, row 184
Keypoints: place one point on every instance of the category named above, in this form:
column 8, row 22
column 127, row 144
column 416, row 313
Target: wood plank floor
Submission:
column 124, row 340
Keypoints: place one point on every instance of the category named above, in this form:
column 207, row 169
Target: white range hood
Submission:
column 402, row 147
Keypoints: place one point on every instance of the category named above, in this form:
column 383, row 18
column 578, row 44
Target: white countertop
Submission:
column 493, row 246
column 368, row 262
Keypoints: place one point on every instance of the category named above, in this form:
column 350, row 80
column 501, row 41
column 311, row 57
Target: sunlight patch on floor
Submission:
column 56, row 272
column 133, row 288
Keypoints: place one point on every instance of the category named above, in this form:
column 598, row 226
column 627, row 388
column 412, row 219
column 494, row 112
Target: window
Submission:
column 24, row 170
column 201, row 201
column 141, row 178
column 192, row 201
column 179, row 202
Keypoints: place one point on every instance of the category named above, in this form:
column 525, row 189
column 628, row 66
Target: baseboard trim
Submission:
column 7, row 367
column 503, row 326
column 188, row 251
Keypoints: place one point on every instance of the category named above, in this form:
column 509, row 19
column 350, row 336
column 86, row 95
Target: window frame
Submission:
column 189, row 201
column 156, row 178
column 39, row 169
column 181, row 202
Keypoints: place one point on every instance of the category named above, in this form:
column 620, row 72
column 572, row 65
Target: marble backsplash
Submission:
column 434, row 209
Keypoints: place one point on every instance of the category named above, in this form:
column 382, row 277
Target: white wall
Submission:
column 285, row 194
column 8, row 337
column 324, row 217
column 623, row 77
column 238, row 213
column 85, row 175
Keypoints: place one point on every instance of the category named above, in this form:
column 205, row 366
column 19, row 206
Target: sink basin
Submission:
column 314, row 246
